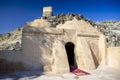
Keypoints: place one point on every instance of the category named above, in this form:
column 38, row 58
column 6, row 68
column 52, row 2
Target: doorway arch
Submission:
column 69, row 46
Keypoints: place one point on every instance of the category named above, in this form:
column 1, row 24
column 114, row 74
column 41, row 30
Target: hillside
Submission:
column 11, row 41
column 111, row 29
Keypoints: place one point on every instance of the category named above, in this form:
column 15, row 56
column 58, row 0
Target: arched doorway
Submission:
column 70, row 55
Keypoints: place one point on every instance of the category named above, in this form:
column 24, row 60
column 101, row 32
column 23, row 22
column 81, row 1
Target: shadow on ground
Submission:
column 21, row 75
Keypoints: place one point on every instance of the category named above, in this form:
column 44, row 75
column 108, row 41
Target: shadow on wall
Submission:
column 95, row 59
column 32, row 49
column 95, row 54
column 8, row 62
column 7, row 66
column 16, row 60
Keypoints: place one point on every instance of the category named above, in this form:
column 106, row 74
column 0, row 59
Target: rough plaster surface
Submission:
column 60, row 61
column 114, row 57
column 85, row 53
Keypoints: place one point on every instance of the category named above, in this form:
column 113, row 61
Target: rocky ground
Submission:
column 111, row 29
column 104, row 73
column 11, row 41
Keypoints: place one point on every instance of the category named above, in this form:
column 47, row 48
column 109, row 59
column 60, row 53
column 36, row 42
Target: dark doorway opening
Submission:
column 70, row 55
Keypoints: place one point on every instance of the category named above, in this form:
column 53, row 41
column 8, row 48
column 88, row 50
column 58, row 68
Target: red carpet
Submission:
column 80, row 72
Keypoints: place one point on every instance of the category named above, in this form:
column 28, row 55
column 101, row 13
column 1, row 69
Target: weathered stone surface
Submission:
column 47, row 11
column 37, row 51
column 87, row 34
column 103, row 50
column 80, row 26
column 7, row 66
column 10, row 61
column 43, row 31
column 84, row 55
column 94, row 47
column 113, row 57
column 60, row 61
column 38, row 23
column 69, row 35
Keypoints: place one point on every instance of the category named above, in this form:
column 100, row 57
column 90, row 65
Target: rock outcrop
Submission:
column 111, row 29
column 11, row 41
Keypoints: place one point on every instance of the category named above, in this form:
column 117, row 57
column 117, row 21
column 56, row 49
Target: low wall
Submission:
column 10, row 61
column 10, row 55
column 113, row 56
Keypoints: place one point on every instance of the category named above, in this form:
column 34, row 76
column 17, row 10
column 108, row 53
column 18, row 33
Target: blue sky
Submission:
column 14, row 13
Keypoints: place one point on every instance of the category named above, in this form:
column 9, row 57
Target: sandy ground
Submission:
column 105, row 73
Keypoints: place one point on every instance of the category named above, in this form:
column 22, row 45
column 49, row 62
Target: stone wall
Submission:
column 37, row 47
column 113, row 57
column 10, row 61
